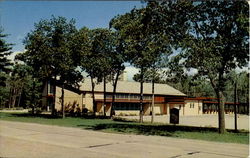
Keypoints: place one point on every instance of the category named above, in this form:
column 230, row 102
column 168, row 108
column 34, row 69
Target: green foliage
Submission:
column 4, row 52
column 5, row 63
column 25, row 90
column 216, row 42
column 47, row 47
column 148, row 35
column 143, row 41
column 149, row 76
column 242, row 81
column 4, row 90
column 50, row 52
column 97, row 61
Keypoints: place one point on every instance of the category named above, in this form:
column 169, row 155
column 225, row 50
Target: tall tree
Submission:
column 152, row 76
column 48, row 51
column 117, row 59
column 148, row 33
column 218, row 42
column 25, row 90
column 17, row 83
column 95, row 58
column 4, row 89
column 5, row 63
column 241, row 78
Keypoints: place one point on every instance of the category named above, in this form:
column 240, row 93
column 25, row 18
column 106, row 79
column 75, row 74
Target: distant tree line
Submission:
column 209, row 36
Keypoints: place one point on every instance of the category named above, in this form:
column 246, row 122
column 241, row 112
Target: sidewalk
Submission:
column 205, row 120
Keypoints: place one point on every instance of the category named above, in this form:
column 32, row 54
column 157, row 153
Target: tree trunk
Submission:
column 141, row 96
column 153, row 101
column 14, row 98
column 10, row 97
column 19, row 99
column 33, row 98
column 93, row 96
column 221, row 103
column 104, row 96
column 221, row 113
column 62, row 103
column 112, row 111
column 20, row 95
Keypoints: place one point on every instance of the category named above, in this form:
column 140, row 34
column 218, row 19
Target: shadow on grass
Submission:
column 49, row 116
column 162, row 130
column 149, row 129
column 29, row 115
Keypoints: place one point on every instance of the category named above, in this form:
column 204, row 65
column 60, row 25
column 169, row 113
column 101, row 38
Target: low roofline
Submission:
column 135, row 93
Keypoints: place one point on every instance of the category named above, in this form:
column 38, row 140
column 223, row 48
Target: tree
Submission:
column 64, row 66
column 132, row 27
column 95, row 58
column 49, row 54
column 103, row 45
column 4, row 89
column 241, row 78
column 148, row 33
column 4, row 52
column 18, row 79
column 218, row 42
column 151, row 75
column 5, row 63
column 118, row 60
column 24, row 89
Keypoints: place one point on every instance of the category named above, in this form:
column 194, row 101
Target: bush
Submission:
column 73, row 109
column 85, row 110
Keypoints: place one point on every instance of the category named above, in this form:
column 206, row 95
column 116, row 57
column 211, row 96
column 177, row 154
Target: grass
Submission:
column 121, row 126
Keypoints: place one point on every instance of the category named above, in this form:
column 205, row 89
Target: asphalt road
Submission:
column 27, row 140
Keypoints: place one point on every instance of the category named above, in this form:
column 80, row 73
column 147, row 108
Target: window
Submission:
column 50, row 88
column 127, row 106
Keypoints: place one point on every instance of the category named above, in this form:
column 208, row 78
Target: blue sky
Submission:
column 18, row 17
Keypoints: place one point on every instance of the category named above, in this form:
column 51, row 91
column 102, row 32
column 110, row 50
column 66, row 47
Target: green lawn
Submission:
column 107, row 125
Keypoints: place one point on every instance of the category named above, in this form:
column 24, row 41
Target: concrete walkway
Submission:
column 205, row 120
column 27, row 140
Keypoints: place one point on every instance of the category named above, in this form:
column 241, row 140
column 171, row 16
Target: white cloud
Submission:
column 131, row 71
column 12, row 56
column 192, row 71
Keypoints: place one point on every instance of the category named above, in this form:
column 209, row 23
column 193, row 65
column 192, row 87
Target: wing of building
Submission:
column 127, row 99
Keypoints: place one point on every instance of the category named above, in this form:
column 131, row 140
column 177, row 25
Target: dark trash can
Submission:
column 174, row 116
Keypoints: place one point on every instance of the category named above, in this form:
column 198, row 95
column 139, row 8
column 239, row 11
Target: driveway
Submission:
column 27, row 140
column 205, row 120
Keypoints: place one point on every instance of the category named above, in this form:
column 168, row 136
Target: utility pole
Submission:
column 235, row 106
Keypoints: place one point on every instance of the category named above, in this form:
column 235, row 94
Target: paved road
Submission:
column 205, row 120
column 27, row 140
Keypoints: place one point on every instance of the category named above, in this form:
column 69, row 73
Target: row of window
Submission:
column 128, row 96
column 127, row 106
